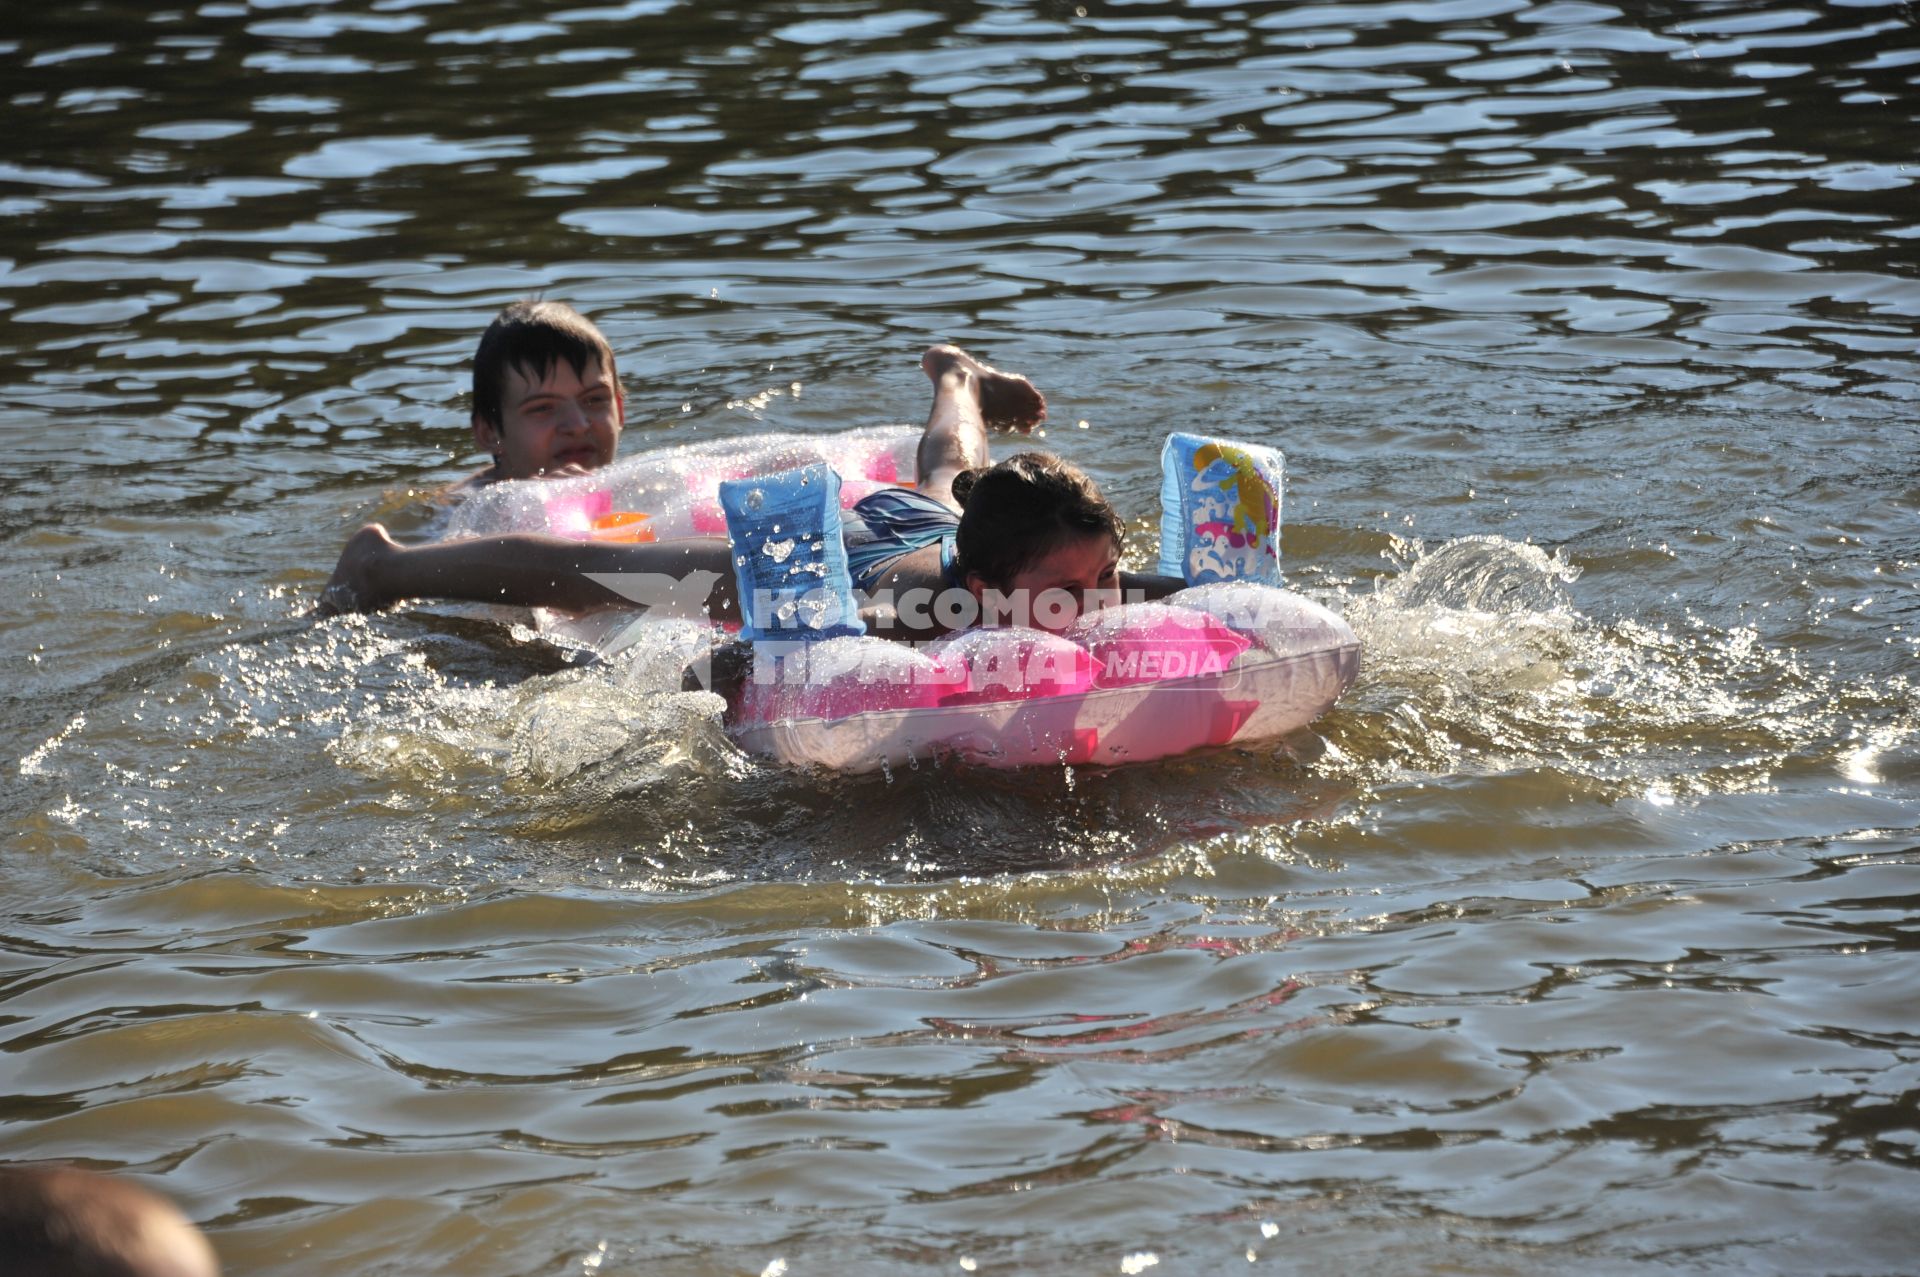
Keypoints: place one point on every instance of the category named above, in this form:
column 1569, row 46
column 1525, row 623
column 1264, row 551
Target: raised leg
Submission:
column 968, row 399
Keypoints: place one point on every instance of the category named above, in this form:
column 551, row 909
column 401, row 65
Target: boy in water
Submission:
column 546, row 395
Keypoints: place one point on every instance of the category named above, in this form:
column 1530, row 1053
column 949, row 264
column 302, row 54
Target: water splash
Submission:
column 1476, row 659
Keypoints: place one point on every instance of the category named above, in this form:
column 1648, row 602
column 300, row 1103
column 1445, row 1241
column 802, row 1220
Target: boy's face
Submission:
column 562, row 422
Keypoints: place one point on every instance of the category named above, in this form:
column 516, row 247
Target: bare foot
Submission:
column 1006, row 399
column 352, row 588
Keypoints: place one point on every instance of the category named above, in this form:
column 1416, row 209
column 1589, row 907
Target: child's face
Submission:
column 1068, row 582
column 562, row 421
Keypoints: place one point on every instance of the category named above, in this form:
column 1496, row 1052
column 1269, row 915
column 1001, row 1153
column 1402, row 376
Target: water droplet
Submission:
column 778, row 551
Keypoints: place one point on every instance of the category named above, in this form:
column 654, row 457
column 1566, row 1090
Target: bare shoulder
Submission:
column 915, row 570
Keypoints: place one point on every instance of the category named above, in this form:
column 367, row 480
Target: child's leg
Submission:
column 692, row 577
column 968, row 396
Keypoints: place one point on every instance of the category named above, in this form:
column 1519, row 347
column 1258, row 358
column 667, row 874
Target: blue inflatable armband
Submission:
column 788, row 555
column 1219, row 510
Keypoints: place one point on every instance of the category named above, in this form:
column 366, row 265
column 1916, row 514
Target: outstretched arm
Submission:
column 690, row 577
column 1150, row 584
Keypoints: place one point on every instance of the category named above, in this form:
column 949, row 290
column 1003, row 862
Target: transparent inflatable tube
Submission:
column 677, row 488
column 1297, row 660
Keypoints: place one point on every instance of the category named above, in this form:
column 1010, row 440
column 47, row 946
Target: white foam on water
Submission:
column 1476, row 658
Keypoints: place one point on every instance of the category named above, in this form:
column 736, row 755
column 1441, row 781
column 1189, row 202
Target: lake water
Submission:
column 1582, row 938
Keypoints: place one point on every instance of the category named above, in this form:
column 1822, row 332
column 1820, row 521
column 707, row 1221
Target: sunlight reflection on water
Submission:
column 1580, row 936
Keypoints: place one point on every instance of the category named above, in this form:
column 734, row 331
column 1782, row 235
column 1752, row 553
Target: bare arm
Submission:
column 1150, row 584
column 691, row 577
column 902, row 605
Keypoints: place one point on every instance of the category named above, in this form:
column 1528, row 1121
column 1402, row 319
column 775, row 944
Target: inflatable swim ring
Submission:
column 1231, row 663
column 677, row 489
column 1213, row 665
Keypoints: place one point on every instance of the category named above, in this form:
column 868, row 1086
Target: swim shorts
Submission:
column 893, row 522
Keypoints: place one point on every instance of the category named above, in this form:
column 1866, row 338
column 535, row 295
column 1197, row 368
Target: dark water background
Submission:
column 1587, row 944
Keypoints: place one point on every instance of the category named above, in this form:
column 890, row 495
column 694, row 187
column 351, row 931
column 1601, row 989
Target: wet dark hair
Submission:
column 1026, row 507
column 533, row 335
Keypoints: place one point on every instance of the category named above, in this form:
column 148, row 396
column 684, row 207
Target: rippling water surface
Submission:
column 1580, row 937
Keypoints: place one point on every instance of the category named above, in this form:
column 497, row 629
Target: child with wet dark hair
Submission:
column 71, row 1223
column 1032, row 530
column 546, row 394
column 1035, row 523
